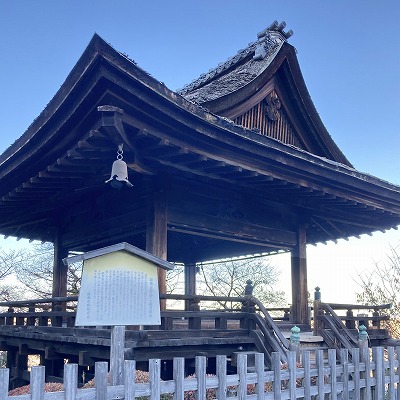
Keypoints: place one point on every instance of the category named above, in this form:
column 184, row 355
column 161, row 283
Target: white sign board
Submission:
column 118, row 289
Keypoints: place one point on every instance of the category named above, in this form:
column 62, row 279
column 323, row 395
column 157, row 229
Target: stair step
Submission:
column 306, row 337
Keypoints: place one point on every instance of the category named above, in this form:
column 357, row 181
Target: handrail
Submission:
column 271, row 323
column 26, row 303
column 201, row 297
column 270, row 331
column 342, row 333
column 338, row 306
column 31, row 302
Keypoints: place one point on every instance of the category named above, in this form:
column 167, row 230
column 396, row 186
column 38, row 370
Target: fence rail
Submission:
column 375, row 378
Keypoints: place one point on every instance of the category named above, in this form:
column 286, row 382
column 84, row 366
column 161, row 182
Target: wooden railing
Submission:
column 247, row 317
column 55, row 311
column 61, row 311
column 362, row 378
column 333, row 330
column 357, row 314
column 341, row 331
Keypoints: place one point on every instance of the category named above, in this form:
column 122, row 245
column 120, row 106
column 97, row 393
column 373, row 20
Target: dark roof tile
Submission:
column 239, row 69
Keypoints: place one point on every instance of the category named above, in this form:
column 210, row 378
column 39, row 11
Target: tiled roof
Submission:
column 239, row 69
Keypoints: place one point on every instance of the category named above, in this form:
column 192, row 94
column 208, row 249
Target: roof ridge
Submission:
column 267, row 41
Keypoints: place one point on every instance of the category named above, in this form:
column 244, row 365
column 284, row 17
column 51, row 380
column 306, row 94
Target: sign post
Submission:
column 119, row 287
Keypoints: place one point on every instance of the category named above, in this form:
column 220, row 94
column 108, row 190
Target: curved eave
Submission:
column 286, row 65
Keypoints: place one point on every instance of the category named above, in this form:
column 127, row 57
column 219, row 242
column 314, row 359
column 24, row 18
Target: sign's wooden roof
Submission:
column 230, row 190
column 125, row 247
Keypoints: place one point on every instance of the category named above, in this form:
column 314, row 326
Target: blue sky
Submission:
column 349, row 53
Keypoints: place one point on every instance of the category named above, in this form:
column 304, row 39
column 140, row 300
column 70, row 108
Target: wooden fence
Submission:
column 319, row 377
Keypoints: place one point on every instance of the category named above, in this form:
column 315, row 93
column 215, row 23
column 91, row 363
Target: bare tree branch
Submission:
column 381, row 285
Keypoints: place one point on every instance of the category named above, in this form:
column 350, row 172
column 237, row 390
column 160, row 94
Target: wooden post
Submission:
column 156, row 236
column 60, row 271
column 299, row 279
column 295, row 341
column 190, row 282
column 350, row 323
column 117, row 355
column 317, row 301
column 362, row 337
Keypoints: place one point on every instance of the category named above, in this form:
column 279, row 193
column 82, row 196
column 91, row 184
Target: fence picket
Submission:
column 221, row 373
column 259, row 367
column 291, row 360
column 398, row 372
column 129, row 379
column 355, row 358
column 367, row 375
column 100, row 380
column 37, row 382
column 379, row 373
column 70, row 381
column 345, row 378
column 391, row 385
column 320, row 378
column 4, row 378
column 154, row 378
column 306, row 361
column 200, row 367
column 242, row 372
column 276, row 367
column 333, row 374
column 179, row 375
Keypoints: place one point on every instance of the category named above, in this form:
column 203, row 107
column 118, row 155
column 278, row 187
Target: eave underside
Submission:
column 216, row 208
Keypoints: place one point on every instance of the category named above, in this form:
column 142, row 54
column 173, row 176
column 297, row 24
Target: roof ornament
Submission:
column 119, row 171
column 270, row 38
column 272, row 105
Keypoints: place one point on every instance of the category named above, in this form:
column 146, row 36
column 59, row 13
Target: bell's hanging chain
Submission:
column 120, row 152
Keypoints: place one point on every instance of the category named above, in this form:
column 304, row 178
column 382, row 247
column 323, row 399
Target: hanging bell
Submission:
column 119, row 172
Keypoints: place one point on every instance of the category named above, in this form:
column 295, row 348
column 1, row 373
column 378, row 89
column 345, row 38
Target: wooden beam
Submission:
column 299, row 278
column 85, row 358
column 197, row 222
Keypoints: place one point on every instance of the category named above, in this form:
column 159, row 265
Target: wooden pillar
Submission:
column 60, row 271
column 190, row 281
column 156, row 235
column 299, row 279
